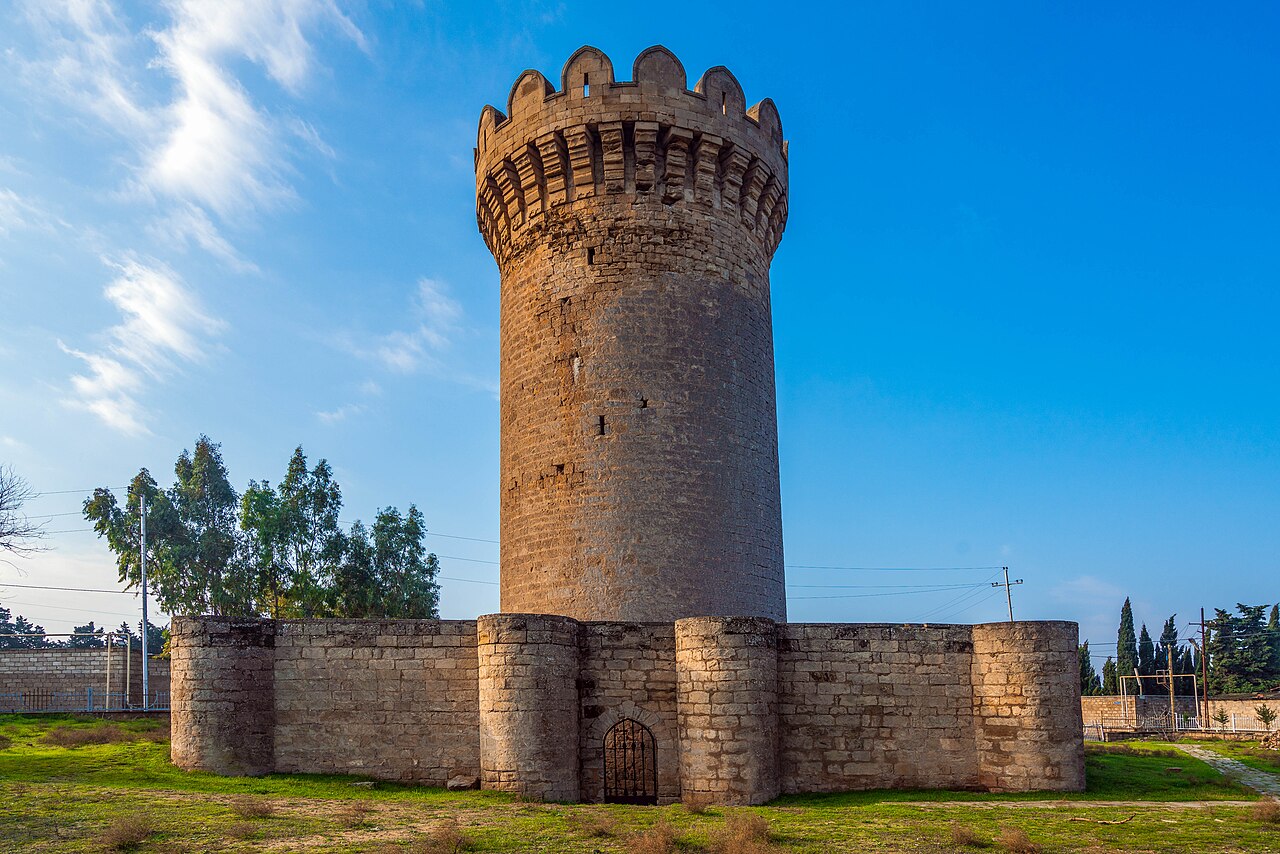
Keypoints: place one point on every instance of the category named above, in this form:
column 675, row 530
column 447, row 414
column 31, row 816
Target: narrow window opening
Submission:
column 644, row 403
column 600, row 426
column 724, row 104
column 586, row 85
column 591, row 255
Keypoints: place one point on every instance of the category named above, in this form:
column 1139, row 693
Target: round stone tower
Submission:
column 633, row 224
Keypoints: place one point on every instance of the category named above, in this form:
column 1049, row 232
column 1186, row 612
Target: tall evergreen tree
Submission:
column 1126, row 643
column 1168, row 640
column 19, row 632
column 1273, row 634
column 1146, row 659
column 1110, row 685
column 1240, row 650
column 89, row 637
column 1090, row 684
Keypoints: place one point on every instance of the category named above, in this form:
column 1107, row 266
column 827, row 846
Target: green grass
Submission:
column 65, row 799
column 1248, row 752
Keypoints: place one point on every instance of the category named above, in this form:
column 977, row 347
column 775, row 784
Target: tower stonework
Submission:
column 633, row 224
column 643, row 653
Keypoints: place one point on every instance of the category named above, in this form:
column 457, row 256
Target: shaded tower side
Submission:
column 633, row 224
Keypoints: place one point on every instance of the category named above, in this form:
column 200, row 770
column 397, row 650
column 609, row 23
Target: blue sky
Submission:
column 1025, row 308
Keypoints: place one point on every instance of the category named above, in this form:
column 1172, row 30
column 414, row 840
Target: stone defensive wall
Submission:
column 738, row 708
column 633, row 224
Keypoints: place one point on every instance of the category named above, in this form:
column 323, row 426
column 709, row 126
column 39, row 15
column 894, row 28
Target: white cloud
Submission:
column 18, row 213
column 341, row 413
column 202, row 143
column 190, row 224
column 162, row 324
column 437, row 318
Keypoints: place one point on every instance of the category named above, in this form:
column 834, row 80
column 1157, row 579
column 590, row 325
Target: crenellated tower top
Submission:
column 651, row 138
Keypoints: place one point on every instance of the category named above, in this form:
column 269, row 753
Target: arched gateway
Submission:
column 630, row 764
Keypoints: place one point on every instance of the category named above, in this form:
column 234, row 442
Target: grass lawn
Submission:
column 61, row 791
column 1248, row 752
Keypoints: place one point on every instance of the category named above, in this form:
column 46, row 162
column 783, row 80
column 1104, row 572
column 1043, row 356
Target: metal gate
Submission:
column 630, row 765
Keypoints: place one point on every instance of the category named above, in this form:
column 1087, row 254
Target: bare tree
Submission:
column 18, row 534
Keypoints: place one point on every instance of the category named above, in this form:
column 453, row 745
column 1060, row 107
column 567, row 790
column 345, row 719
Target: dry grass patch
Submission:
column 697, row 802
column 964, row 837
column 126, row 834
column 594, row 824
column 5, row 742
column 743, row 833
column 1267, row 811
column 1016, row 841
column 355, row 815
column 659, row 839
column 445, row 839
column 247, row 806
column 69, row 736
column 241, row 830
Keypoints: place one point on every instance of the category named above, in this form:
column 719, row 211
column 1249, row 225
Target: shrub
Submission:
column 247, row 806
column 355, row 815
column 659, row 839
column 126, row 834
column 241, row 830
column 5, row 742
column 1267, row 811
column 696, row 802
column 1015, row 840
column 1266, row 714
column 963, row 837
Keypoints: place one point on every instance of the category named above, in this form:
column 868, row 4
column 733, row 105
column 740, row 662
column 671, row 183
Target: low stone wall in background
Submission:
column 1151, row 711
column 51, row 680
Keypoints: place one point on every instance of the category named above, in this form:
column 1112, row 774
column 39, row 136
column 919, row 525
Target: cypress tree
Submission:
column 1146, row 658
column 1109, row 684
column 1089, row 682
column 1273, row 634
column 1127, row 644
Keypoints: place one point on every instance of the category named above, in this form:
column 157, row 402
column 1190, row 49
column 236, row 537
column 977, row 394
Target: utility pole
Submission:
column 1008, row 589
column 1173, row 707
column 145, row 686
column 1204, row 667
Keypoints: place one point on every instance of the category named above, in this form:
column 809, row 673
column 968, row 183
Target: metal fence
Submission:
column 1096, row 729
column 88, row 700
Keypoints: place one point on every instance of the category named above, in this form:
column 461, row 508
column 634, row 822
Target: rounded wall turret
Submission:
column 1028, row 722
column 222, row 695
column 529, row 705
column 633, row 224
column 727, row 708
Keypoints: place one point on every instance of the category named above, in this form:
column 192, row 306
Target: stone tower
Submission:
column 633, row 224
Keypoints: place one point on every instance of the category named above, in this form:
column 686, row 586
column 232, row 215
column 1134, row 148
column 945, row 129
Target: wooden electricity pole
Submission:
column 1008, row 589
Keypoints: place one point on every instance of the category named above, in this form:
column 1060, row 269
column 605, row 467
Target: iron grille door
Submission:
column 630, row 765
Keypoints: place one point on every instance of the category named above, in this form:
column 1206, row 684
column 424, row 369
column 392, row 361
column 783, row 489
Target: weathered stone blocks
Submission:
column 633, row 224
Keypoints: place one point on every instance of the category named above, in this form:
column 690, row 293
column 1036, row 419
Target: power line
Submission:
column 895, row 568
column 71, row 589
column 73, row 491
column 869, row 595
column 876, row 586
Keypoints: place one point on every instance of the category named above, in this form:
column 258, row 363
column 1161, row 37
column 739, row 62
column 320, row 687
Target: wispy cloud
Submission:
column 342, row 413
column 437, row 317
column 162, row 326
column 19, row 213
column 202, row 143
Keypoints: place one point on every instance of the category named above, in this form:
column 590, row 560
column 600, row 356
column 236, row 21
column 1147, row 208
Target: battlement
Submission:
column 648, row 140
